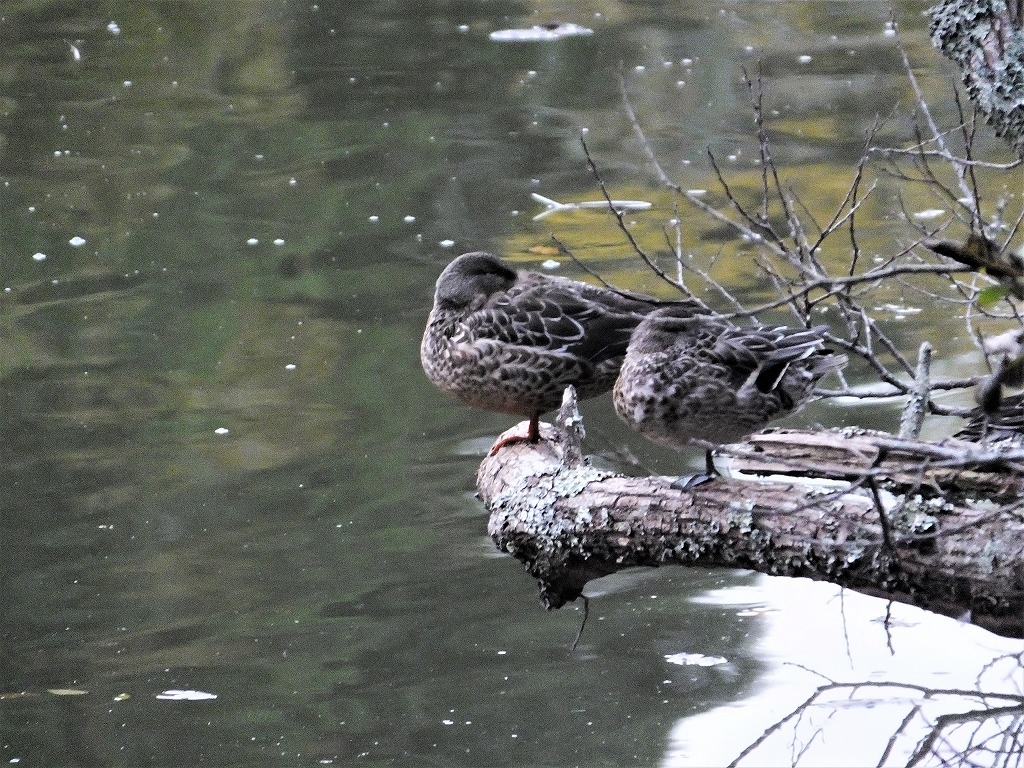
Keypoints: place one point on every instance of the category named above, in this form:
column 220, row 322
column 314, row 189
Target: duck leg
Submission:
column 686, row 482
column 709, row 463
column 532, row 435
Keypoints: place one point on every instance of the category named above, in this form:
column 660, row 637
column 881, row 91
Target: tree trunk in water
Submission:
column 985, row 39
column 886, row 516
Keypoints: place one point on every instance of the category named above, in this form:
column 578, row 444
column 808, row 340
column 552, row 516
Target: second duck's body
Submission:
column 690, row 377
column 1004, row 424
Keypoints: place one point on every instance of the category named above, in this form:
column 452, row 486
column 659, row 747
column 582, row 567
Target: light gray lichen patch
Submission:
column 572, row 482
column 742, row 519
column 918, row 515
column 531, row 503
column 991, row 556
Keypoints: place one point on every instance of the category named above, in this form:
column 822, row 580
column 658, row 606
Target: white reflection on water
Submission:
column 813, row 631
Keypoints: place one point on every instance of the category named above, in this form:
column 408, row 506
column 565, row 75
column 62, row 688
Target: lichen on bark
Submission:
column 985, row 40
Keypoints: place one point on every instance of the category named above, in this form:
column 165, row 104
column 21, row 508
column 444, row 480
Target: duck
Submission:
column 700, row 379
column 511, row 341
column 1002, row 422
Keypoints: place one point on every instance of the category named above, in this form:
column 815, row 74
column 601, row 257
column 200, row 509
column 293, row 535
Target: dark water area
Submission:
column 238, row 523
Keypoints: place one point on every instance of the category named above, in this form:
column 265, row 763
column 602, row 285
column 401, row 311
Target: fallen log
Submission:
column 940, row 526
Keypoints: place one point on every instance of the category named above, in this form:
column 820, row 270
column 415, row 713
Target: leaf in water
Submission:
column 543, row 250
column 990, row 296
column 66, row 691
column 179, row 695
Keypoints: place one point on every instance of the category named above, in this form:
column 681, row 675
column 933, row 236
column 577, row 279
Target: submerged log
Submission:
column 938, row 526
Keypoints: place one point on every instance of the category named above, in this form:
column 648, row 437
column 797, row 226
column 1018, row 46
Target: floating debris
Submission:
column 76, row 54
column 619, row 205
column 898, row 311
column 540, row 33
column 695, row 660
column 179, row 695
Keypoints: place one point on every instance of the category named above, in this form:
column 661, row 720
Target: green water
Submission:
column 221, row 469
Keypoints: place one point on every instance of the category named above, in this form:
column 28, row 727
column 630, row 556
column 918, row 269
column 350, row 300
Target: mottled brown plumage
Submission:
column 1002, row 424
column 511, row 341
column 692, row 377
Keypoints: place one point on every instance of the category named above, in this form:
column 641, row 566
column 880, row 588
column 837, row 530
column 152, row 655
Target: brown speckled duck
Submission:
column 1003, row 424
column 692, row 377
column 511, row 341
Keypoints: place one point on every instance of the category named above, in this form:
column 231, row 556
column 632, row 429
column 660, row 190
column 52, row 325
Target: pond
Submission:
column 239, row 524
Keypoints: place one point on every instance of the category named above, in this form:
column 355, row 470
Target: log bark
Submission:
column 985, row 39
column 939, row 526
